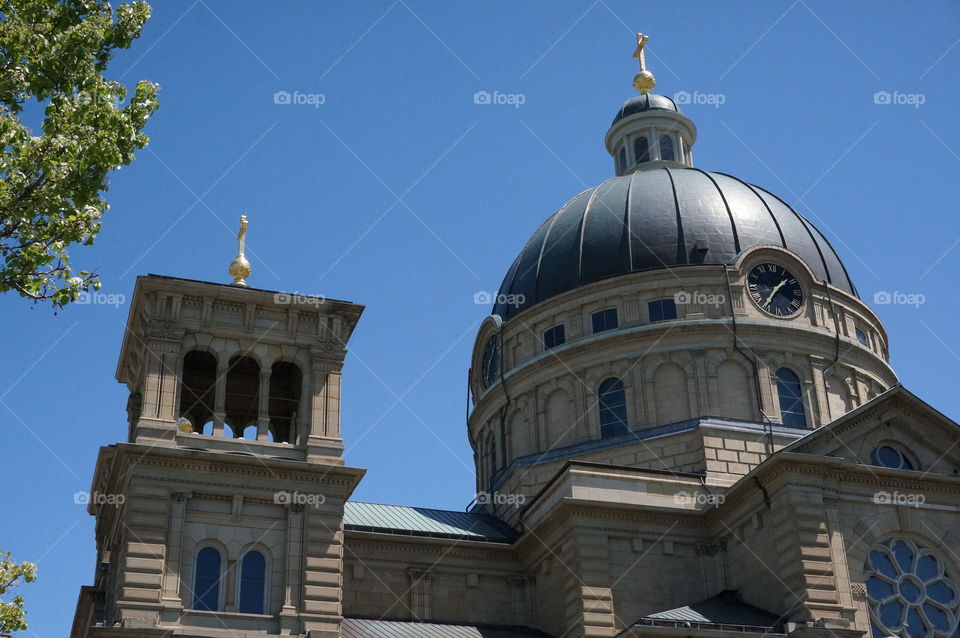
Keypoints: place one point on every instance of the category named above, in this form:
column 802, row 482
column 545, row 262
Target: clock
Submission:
column 490, row 362
column 775, row 290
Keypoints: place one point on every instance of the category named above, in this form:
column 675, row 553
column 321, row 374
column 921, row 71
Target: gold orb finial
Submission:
column 240, row 267
column 644, row 80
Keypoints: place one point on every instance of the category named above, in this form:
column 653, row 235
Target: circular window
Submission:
column 490, row 364
column 911, row 593
column 889, row 456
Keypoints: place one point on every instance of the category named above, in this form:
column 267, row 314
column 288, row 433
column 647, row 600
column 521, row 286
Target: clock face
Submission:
column 490, row 364
column 775, row 290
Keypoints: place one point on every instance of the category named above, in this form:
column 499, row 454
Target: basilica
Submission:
column 683, row 419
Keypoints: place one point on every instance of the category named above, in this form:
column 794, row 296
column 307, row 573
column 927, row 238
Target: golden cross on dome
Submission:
column 643, row 81
column 240, row 267
column 641, row 42
column 242, row 235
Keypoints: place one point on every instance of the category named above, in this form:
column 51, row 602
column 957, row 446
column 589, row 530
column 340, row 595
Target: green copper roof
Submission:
column 420, row 521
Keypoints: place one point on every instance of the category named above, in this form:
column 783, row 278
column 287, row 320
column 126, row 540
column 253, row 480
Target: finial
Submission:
column 643, row 81
column 240, row 267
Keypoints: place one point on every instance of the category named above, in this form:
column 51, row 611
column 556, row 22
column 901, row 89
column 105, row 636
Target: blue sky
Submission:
column 400, row 193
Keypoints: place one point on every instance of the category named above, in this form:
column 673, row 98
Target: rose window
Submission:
column 911, row 593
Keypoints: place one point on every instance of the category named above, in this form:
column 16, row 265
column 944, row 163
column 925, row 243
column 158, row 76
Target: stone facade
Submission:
column 697, row 467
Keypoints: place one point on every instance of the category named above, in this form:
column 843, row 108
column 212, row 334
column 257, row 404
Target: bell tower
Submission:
column 222, row 513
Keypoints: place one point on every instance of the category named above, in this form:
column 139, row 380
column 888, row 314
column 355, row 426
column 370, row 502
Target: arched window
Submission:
column 791, row 399
column 666, row 148
column 253, row 583
column 889, row 456
column 206, row 580
column 622, row 158
column 613, row 408
column 641, row 149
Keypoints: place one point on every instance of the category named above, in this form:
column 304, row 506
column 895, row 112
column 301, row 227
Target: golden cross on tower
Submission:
column 240, row 267
column 643, row 81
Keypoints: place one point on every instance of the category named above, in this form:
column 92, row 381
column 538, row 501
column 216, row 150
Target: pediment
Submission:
column 898, row 419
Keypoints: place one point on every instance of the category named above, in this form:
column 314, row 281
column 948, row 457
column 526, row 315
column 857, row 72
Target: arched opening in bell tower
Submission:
column 198, row 390
column 285, row 383
column 242, row 395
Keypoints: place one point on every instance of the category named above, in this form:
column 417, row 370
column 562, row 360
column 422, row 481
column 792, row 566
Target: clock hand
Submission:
column 774, row 291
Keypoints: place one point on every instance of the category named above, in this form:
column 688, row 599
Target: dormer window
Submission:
column 641, row 149
column 666, row 148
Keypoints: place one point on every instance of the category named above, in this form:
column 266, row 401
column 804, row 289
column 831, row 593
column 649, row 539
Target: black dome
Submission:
column 659, row 218
column 646, row 102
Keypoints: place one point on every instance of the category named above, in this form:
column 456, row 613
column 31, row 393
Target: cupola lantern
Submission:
column 649, row 129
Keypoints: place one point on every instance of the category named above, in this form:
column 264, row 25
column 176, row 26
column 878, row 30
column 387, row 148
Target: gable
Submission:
column 896, row 419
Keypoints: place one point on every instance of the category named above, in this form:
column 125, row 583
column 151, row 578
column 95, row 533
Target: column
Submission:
column 291, row 585
column 838, row 554
column 160, row 386
column 300, row 428
column 263, row 415
column 219, row 409
column 171, row 576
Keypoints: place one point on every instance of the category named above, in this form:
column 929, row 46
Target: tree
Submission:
column 12, row 614
column 53, row 54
